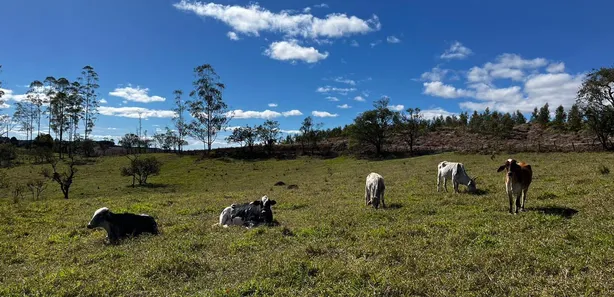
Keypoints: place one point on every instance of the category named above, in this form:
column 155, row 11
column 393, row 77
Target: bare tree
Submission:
column 63, row 178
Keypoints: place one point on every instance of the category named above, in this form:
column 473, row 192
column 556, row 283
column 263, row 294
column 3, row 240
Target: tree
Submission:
column 574, row 119
column 410, row 126
column 310, row 133
column 49, row 85
column 129, row 141
column 463, row 119
column 36, row 97
column 244, row 135
column 534, row 115
column 24, row 116
column 59, row 105
column 543, row 116
column 519, row 118
column 7, row 123
column 74, row 113
column 475, row 123
column 89, row 103
column 64, row 178
column 596, row 101
column 1, row 91
column 207, row 107
column 178, row 119
column 269, row 134
column 559, row 118
column 141, row 169
column 374, row 126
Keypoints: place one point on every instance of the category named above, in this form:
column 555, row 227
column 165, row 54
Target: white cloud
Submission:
column 439, row 89
column 133, row 112
column 290, row 131
column 436, row 74
column 375, row 43
column 272, row 104
column 354, row 43
column 136, row 94
column 4, row 105
column 307, row 10
column 344, row 106
column 323, row 114
column 9, row 95
column 323, row 5
column 103, row 101
column 359, row 99
column 329, row 89
column 267, row 114
column 332, row 98
column 232, row 35
column 292, row 51
column 254, row 19
column 435, row 112
column 396, row 107
column 344, row 81
column 506, row 66
column 556, row 67
column 456, row 51
column 393, row 39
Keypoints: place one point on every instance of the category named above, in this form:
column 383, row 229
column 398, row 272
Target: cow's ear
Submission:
column 257, row 202
column 501, row 168
column 272, row 202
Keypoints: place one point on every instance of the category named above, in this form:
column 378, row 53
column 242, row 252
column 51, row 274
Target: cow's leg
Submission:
column 367, row 198
column 518, row 201
column 455, row 184
column 511, row 199
column 382, row 199
column 524, row 198
column 438, row 181
column 445, row 184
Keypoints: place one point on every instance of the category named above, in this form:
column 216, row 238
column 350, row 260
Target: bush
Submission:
column 141, row 169
column 7, row 154
column 37, row 186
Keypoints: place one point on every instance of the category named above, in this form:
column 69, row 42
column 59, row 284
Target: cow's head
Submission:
column 510, row 167
column 100, row 217
column 266, row 213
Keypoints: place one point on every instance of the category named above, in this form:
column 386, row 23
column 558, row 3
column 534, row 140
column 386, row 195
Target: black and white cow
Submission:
column 248, row 214
column 119, row 225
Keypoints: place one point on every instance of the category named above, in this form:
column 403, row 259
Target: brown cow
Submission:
column 518, row 177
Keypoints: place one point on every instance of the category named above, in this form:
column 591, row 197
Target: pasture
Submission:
column 328, row 243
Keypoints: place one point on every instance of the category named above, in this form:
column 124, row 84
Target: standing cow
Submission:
column 518, row 178
column 374, row 190
column 119, row 225
column 456, row 172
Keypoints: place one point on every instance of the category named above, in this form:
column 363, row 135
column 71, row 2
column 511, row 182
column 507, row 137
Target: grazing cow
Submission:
column 248, row 214
column 119, row 225
column 518, row 177
column 456, row 172
column 374, row 190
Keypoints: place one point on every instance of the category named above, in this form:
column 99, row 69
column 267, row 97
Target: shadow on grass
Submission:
column 150, row 186
column 556, row 210
column 480, row 192
column 394, row 205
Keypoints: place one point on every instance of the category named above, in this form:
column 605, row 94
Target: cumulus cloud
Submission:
column 435, row 112
column 329, row 89
column 439, row 89
column 393, row 39
column 344, row 106
column 290, row 131
column 232, row 35
column 291, row 51
column 254, row 19
column 272, row 104
column 359, row 99
column 323, row 114
column 267, row 114
column 456, row 51
column 137, row 94
column 436, row 74
column 103, row 101
column 4, row 105
column 556, row 67
column 396, row 107
column 133, row 112
column 332, row 99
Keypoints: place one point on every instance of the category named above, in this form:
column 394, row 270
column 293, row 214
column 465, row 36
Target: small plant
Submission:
column 65, row 178
column 37, row 186
column 17, row 192
column 604, row 169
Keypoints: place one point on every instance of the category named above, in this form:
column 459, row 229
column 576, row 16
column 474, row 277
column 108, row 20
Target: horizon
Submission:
column 286, row 61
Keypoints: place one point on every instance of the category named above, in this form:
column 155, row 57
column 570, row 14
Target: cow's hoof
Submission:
column 522, row 210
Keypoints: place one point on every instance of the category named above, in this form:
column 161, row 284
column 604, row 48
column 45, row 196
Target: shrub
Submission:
column 36, row 186
column 141, row 169
column 17, row 192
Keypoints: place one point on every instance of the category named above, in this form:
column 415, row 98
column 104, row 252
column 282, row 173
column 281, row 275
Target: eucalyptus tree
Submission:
column 89, row 104
column 179, row 121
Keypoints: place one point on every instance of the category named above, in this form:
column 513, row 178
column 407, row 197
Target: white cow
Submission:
column 456, row 172
column 374, row 190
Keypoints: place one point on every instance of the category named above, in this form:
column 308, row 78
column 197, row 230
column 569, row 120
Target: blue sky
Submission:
column 329, row 59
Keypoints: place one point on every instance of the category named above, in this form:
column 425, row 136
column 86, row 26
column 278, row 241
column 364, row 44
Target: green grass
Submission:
column 328, row 242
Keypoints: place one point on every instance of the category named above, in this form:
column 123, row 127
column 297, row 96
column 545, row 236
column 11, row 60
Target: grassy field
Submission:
column 328, row 243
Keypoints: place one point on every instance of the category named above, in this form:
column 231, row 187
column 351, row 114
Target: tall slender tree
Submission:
column 50, row 85
column 89, row 105
column 59, row 104
column 178, row 119
column 36, row 96
column 574, row 119
column 207, row 107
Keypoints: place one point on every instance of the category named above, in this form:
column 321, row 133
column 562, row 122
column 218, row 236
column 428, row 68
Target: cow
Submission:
column 518, row 178
column 374, row 190
column 456, row 172
column 248, row 214
column 120, row 225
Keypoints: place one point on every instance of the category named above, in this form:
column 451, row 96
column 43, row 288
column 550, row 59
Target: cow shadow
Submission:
column 394, row 206
column 480, row 192
column 564, row 212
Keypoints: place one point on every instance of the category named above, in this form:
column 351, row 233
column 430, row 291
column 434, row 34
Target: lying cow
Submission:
column 119, row 225
column 374, row 190
column 518, row 177
column 248, row 214
column 456, row 172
